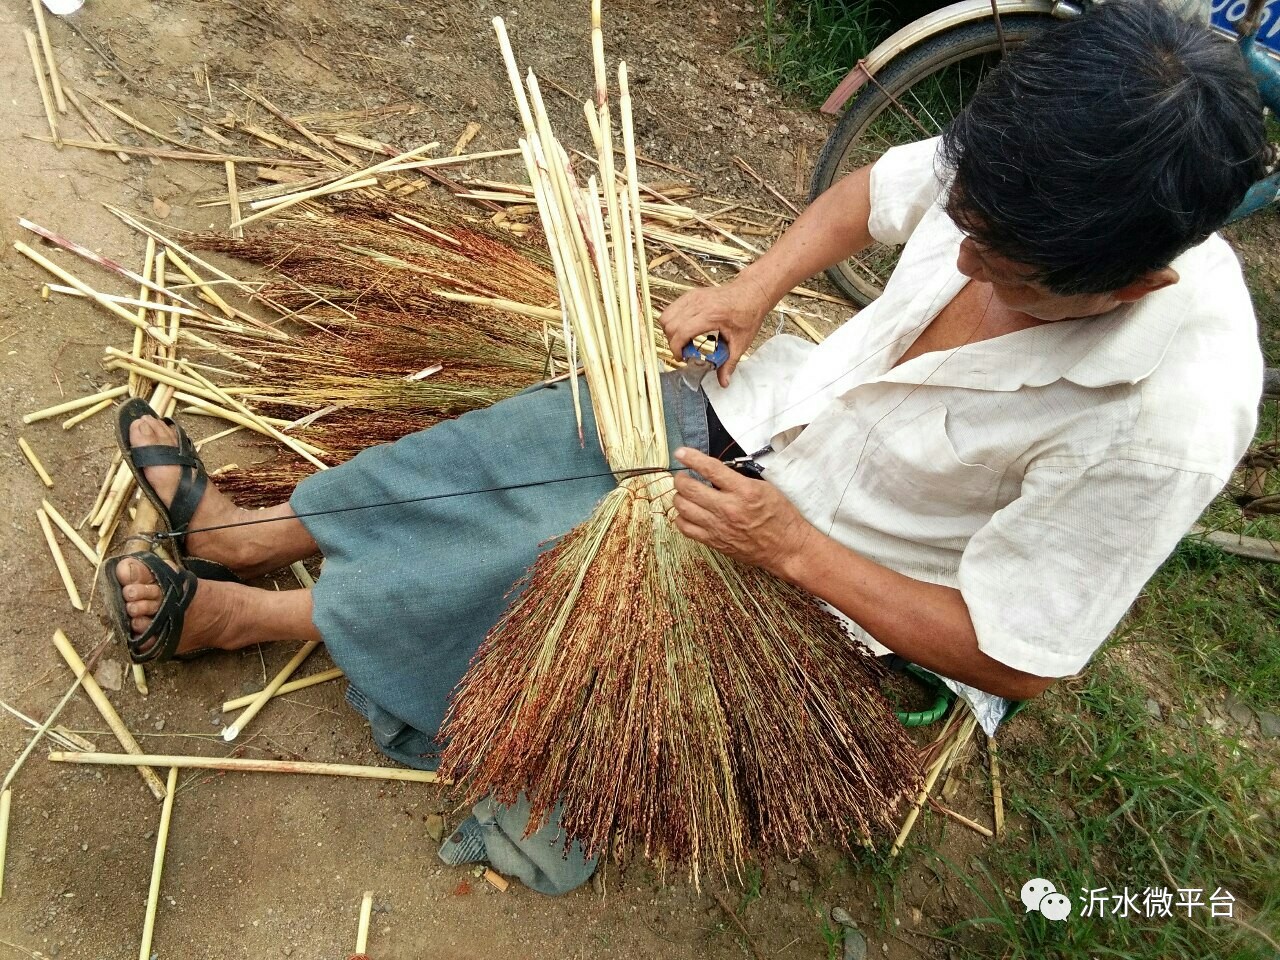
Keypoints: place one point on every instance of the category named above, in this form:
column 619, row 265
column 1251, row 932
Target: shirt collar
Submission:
column 1120, row 347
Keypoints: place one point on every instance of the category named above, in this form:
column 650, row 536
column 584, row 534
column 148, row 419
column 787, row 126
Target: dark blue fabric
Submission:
column 407, row 593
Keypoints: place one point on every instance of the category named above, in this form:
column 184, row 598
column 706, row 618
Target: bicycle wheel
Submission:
column 912, row 98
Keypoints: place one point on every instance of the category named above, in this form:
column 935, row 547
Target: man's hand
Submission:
column 748, row 520
column 736, row 309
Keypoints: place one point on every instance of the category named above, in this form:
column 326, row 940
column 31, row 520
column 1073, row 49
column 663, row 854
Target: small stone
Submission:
column 855, row 944
column 1153, row 708
column 159, row 725
column 1238, row 710
column 1270, row 724
column 841, row 916
column 739, row 85
column 917, row 917
column 287, row 950
column 435, row 826
column 109, row 674
column 84, row 848
column 783, row 128
column 884, row 948
column 1181, row 722
column 795, row 886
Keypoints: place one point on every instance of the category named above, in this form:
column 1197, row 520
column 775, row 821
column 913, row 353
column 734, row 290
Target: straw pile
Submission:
column 662, row 694
column 408, row 326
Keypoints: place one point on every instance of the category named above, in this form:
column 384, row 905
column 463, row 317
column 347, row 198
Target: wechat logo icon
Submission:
column 1040, row 894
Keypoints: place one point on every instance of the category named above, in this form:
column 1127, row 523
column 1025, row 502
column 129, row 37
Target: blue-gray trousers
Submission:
column 408, row 592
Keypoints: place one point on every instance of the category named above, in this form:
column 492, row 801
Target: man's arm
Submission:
column 923, row 622
column 833, row 228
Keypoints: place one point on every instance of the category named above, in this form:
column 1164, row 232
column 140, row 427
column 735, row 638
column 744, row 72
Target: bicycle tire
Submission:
column 901, row 73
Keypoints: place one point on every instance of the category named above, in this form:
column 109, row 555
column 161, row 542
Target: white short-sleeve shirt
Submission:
column 1045, row 473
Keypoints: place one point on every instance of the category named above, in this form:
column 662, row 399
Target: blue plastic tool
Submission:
column 702, row 355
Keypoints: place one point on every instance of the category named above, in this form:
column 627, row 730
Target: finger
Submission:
column 692, row 530
column 695, row 491
column 719, row 474
column 695, row 513
column 725, row 372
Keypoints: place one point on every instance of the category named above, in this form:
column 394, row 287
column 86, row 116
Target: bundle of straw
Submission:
column 416, row 317
column 661, row 693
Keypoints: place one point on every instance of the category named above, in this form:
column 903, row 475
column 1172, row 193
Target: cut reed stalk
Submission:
column 54, row 81
column 59, row 560
column 53, row 714
column 157, row 866
column 6, row 801
column 162, row 153
column 50, row 113
column 292, row 686
column 85, row 415
column 76, row 540
column 91, row 124
column 961, row 819
column 89, row 292
column 510, row 306
column 233, row 198
column 122, row 734
column 362, row 927
column 342, row 181
column 36, row 465
column 105, row 489
column 78, row 404
column 232, row 730
column 141, row 302
column 288, row 199
column 997, row 792
column 207, row 292
column 247, row 765
column 139, row 679
column 434, row 162
column 244, row 411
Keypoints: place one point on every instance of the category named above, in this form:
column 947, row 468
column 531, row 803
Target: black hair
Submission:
column 1106, row 146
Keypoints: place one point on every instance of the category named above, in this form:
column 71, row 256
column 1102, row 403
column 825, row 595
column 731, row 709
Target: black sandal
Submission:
column 192, row 484
column 160, row 640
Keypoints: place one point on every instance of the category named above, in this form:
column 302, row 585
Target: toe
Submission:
column 141, row 591
column 139, row 625
column 147, row 431
column 132, row 573
column 143, row 608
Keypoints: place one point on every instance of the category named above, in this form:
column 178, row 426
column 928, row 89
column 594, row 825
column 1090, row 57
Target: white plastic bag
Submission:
column 63, row 7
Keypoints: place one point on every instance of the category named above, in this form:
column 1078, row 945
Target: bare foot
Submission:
column 210, row 621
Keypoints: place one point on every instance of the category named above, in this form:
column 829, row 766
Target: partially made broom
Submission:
column 659, row 692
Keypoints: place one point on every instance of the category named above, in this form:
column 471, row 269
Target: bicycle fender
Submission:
column 930, row 25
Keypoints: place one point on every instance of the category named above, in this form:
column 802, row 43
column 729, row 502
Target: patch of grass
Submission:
column 808, row 45
column 751, row 891
column 1217, row 618
column 1149, row 807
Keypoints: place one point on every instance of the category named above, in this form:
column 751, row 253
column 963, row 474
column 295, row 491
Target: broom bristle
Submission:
column 671, row 698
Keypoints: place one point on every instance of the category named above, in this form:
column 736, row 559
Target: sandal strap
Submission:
column 157, row 455
column 160, row 640
column 193, row 480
